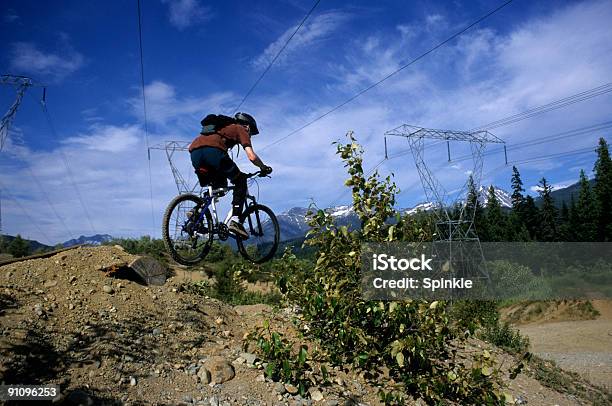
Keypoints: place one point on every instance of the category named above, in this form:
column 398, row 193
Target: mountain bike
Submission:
column 191, row 224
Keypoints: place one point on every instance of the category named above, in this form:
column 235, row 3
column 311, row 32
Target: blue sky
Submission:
column 202, row 57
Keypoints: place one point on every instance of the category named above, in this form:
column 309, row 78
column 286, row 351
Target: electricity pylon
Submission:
column 455, row 239
column 171, row 147
column 21, row 83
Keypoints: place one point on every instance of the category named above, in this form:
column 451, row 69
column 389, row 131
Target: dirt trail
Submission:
column 583, row 346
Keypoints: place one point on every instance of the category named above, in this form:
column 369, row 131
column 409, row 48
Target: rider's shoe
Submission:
column 238, row 230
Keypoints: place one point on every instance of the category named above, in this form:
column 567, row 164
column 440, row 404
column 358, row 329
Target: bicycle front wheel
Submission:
column 187, row 234
column 264, row 234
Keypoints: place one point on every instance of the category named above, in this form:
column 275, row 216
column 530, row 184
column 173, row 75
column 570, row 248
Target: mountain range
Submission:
column 293, row 223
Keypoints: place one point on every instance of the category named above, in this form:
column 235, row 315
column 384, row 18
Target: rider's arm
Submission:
column 253, row 157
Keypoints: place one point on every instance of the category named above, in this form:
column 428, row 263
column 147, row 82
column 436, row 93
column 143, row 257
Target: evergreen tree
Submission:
column 574, row 223
column 496, row 221
column 565, row 231
column 517, row 190
column 473, row 208
column 548, row 213
column 19, row 247
column 531, row 217
column 586, row 215
column 603, row 191
column 517, row 230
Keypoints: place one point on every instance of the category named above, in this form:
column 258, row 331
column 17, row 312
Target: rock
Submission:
column 220, row 370
column 50, row 284
column 108, row 289
column 214, row 401
column 188, row 398
column 315, row 394
column 156, row 331
column 260, row 378
column 331, row 403
column 133, row 381
column 292, row 390
column 204, row 376
column 119, row 247
column 249, row 358
column 279, row 388
column 219, row 320
column 79, row 397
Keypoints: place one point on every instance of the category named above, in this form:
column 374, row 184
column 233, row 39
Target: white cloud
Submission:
column 107, row 138
column 170, row 112
column 27, row 58
column 185, row 13
column 315, row 29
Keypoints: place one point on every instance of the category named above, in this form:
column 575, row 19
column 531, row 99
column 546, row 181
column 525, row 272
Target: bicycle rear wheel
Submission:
column 187, row 237
column 264, row 234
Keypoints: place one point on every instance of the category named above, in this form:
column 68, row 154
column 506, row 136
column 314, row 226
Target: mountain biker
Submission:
column 209, row 151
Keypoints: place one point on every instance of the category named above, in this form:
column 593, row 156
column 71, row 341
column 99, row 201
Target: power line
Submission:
column 545, row 108
column 557, row 104
column 144, row 106
column 276, row 56
column 25, row 212
column 579, row 151
column 51, row 205
column 67, row 165
column 423, row 55
column 542, row 140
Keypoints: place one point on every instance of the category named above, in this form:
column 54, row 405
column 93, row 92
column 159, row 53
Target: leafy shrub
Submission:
column 229, row 287
column 413, row 341
column 504, row 336
column 284, row 364
column 473, row 314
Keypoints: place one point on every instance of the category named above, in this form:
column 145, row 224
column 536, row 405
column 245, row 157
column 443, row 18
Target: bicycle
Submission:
column 194, row 223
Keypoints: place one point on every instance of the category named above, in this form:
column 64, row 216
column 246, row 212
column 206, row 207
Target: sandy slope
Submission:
column 581, row 346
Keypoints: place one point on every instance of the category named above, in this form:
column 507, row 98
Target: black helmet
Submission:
column 244, row 118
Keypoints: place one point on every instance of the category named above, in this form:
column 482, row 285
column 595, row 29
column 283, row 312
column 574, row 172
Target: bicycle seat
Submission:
column 207, row 177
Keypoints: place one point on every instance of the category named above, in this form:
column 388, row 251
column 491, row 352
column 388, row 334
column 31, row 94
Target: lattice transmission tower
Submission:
column 455, row 239
column 171, row 147
column 21, row 83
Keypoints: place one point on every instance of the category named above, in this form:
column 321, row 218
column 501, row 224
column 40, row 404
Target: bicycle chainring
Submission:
column 223, row 232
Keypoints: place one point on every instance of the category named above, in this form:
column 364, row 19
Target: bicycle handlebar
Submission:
column 253, row 174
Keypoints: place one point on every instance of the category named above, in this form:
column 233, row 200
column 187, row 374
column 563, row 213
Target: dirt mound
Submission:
column 70, row 319
column 548, row 311
column 78, row 319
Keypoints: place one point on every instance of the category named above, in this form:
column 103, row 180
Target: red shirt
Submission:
column 224, row 139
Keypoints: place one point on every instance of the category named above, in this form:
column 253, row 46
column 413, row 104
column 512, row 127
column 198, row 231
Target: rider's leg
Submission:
column 240, row 191
column 239, row 180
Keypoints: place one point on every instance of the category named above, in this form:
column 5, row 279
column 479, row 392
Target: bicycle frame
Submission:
column 211, row 198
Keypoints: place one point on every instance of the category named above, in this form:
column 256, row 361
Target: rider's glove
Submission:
column 265, row 171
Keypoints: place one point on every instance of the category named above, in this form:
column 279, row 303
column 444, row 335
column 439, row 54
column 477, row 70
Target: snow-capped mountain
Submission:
column 419, row 207
column 293, row 223
column 504, row 198
column 97, row 239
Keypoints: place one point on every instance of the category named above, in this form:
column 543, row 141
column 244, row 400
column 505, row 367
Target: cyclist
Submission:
column 209, row 151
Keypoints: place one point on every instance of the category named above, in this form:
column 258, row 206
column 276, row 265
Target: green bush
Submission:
column 413, row 341
column 504, row 336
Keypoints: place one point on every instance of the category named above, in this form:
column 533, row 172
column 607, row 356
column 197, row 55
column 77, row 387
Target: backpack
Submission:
column 214, row 122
